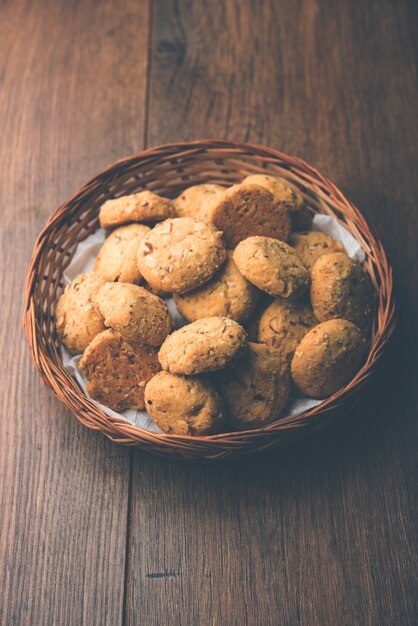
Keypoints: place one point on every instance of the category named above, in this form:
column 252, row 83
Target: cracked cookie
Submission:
column 180, row 254
column 117, row 372
column 206, row 345
column 183, row 406
column 116, row 260
column 287, row 196
column 196, row 201
column 255, row 389
column 77, row 316
column 227, row 294
column 272, row 266
column 312, row 245
column 341, row 288
column 144, row 206
column 138, row 315
column 284, row 324
column 243, row 210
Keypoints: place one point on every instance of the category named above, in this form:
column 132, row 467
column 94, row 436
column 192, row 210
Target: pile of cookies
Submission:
column 269, row 304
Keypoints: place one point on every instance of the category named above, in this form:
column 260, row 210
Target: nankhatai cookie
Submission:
column 77, row 316
column 272, row 265
column 287, row 196
column 310, row 246
column 283, row 325
column 255, row 389
column 341, row 289
column 227, row 294
column 117, row 371
column 117, row 259
column 196, row 201
column 181, row 254
column 203, row 346
column 244, row 210
column 137, row 314
column 183, row 406
column 327, row 358
column 144, row 206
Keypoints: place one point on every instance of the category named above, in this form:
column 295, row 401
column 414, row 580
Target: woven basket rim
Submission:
column 122, row 429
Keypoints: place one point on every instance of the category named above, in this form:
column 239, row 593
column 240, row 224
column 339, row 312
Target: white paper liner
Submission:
column 83, row 261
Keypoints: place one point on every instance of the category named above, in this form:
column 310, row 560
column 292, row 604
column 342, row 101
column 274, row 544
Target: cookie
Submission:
column 144, row 206
column 117, row 372
column 180, row 254
column 137, row 314
column 341, row 289
column 116, row 260
column 284, row 324
column 310, row 246
column 197, row 200
column 255, row 390
column 327, row 358
column 183, row 406
column 272, row 266
column 203, row 346
column 77, row 316
column 287, row 196
column 227, row 294
column 244, row 210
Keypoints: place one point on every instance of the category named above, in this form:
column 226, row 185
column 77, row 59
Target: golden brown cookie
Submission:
column 197, row 200
column 310, row 246
column 77, row 316
column 183, row 406
column 203, row 346
column 272, row 266
column 287, row 196
column 244, row 210
column 181, row 254
column 117, row 259
column 135, row 313
column 227, row 294
column 144, row 206
column 284, row 324
column 117, row 372
column 341, row 289
column 255, row 389
column 327, row 358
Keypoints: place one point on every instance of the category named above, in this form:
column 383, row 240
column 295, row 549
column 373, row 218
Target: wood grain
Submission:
column 321, row 533
column 64, row 115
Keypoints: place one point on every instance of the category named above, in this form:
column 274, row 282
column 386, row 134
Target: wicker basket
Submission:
column 168, row 170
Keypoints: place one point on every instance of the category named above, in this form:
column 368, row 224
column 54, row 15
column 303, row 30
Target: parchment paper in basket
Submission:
column 83, row 261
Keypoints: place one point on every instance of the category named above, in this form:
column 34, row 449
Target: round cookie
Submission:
column 244, row 210
column 144, row 206
column 313, row 244
column 117, row 372
column 206, row 345
column 254, row 390
column 183, row 406
column 341, row 289
column 287, row 195
column 137, row 314
column 197, row 200
column 77, row 316
column 116, row 260
column 284, row 324
column 272, row 266
column 180, row 254
column 227, row 294
column 327, row 358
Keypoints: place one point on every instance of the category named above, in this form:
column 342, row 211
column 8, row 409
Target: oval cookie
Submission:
column 144, row 206
column 197, row 201
column 310, row 246
column 117, row 259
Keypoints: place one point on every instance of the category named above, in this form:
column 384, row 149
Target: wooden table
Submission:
column 319, row 534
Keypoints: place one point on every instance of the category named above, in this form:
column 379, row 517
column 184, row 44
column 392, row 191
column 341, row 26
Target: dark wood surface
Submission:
column 323, row 533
